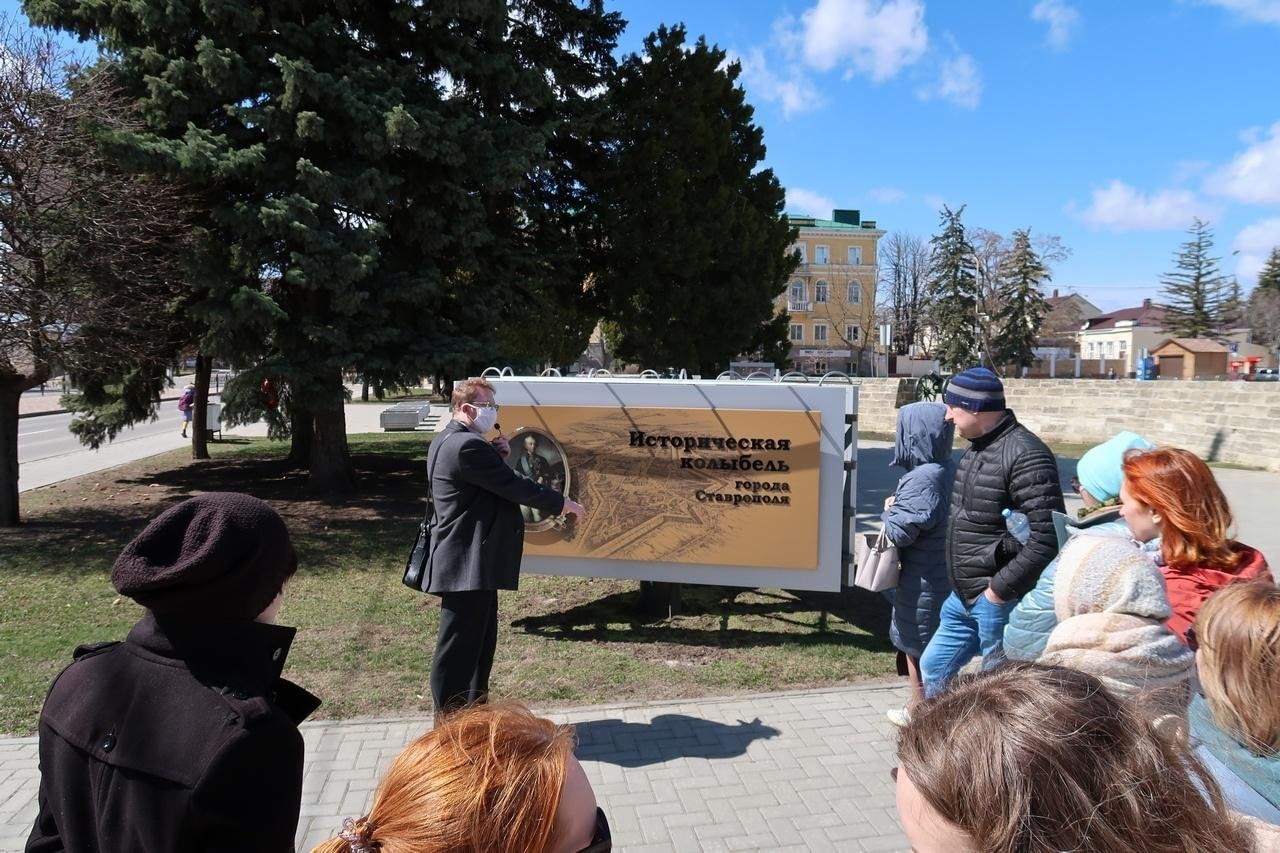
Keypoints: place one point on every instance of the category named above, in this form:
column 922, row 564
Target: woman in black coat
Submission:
column 184, row 736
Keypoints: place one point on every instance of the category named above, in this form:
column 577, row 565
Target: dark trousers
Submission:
column 464, row 649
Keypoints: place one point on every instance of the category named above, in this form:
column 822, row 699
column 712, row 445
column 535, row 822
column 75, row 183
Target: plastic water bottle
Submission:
column 1018, row 525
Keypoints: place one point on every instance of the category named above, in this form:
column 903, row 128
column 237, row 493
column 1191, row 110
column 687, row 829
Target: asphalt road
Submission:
column 47, row 436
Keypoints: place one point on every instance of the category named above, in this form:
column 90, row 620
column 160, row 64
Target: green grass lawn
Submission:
column 365, row 641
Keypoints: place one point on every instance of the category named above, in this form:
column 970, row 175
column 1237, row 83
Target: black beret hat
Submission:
column 217, row 557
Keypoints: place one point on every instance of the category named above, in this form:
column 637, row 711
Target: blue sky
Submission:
column 1108, row 123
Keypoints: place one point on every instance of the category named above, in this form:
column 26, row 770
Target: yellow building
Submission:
column 831, row 296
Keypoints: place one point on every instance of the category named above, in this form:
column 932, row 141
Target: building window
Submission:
column 851, row 332
column 820, row 292
column 819, row 367
column 821, row 255
column 797, row 333
column 819, row 333
column 802, row 252
column 1124, row 345
column 1111, row 347
column 855, row 293
column 1091, row 353
column 797, row 291
column 855, row 256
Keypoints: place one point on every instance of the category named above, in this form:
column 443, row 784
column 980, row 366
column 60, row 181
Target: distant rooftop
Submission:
column 840, row 219
column 1195, row 345
column 1145, row 314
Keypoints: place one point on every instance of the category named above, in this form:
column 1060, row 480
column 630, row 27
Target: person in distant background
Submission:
column 186, row 404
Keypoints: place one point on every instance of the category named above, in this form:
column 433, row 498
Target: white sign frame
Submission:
column 836, row 403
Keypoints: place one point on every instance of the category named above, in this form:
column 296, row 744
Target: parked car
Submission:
column 1266, row 374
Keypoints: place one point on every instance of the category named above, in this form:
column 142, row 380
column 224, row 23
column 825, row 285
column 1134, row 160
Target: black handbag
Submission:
column 416, row 566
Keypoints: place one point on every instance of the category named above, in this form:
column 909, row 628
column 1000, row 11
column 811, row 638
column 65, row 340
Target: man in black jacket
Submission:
column 184, row 736
column 477, row 540
column 1005, row 467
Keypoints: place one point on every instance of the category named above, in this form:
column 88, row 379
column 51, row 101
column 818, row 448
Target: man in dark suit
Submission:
column 477, row 539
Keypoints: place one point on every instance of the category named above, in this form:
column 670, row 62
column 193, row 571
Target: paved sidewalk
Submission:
column 804, row 771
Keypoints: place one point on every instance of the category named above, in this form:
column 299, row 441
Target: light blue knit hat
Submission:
column 1099, row 470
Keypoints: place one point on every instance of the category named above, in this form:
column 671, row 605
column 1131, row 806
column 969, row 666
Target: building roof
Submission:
column 1142, row 315
column 830, row 224
column 1195, row 345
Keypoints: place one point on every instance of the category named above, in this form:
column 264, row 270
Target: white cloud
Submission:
column 1254, row 243
column 959, row 82
column 886, row 195
column 1263, row 11
column 1254, row 175
column 808, row 202
column 794, row 93
column 877, row 38
column 1120, row 207
column 935, row 202
column 1062, row 19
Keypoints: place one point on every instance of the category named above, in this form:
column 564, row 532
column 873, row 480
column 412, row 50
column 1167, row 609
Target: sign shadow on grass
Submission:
column 666, row 737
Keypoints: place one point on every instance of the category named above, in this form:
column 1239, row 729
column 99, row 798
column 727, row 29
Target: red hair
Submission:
column 486, row 780
column 1196, row 527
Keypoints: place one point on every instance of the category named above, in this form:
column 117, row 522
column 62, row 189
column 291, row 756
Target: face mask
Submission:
column 486, row 419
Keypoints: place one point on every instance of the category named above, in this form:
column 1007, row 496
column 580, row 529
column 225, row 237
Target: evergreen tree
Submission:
column 953, row 286
column 1232, row 314
column 696, row 244
column 1023, row 306
column 368, row 172
column 773, row 342
column 1195, row 292
column 1269, row 278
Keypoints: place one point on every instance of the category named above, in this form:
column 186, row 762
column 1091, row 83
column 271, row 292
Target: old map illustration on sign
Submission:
column 715, row 486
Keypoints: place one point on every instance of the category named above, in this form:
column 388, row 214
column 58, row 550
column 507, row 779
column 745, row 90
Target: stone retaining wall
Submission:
column 1221, row 421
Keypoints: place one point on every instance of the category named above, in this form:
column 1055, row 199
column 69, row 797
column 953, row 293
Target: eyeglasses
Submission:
column 602, row 841
column 484, row 405
column 1190, row 637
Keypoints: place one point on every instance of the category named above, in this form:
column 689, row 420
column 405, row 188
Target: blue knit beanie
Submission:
column 1099, row 470
column 977, row 390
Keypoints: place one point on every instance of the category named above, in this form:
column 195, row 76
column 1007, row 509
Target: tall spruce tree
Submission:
column 366, row 169
column 1022, row 304
column 1195, row 293
column 696, row 243
column 953, row 286
column 1269, row 278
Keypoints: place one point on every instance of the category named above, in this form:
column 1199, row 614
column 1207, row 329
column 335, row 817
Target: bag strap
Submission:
column 431, row 473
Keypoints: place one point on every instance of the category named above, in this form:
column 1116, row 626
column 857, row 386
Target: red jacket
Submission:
column 1189, row 587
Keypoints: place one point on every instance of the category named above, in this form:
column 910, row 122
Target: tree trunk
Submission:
column 11, row 388
column 301, row 435
column 364, row 391
column 200, row 409
column 331, row 471
column 10, row 394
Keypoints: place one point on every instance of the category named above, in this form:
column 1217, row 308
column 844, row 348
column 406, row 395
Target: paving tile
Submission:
column 803, row 771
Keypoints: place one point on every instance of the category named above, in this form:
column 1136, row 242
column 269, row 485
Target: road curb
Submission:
column 22, row 415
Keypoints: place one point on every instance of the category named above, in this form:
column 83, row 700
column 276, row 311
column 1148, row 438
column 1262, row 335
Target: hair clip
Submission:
column 358, row 839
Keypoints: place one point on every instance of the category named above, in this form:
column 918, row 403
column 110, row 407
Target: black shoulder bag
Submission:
column 416, row 566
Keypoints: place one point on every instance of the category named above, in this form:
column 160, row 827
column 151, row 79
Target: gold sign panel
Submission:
column 726, row 487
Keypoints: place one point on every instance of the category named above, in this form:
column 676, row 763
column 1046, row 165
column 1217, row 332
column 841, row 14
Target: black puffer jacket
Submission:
column 1008, row 467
